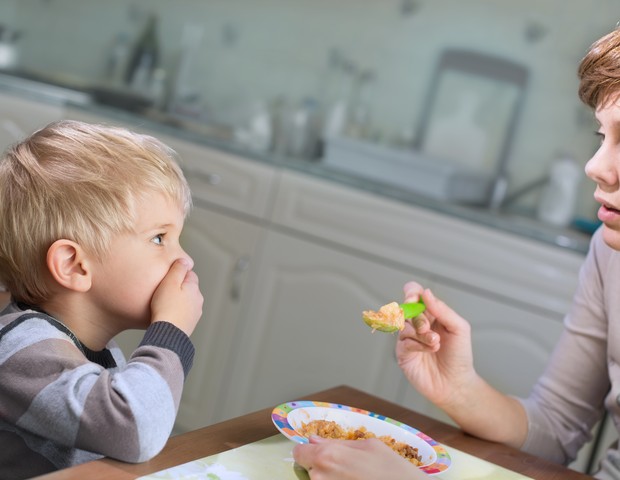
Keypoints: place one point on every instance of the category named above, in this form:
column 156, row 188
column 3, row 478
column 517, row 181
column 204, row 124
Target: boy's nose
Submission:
column 185, row 256
column 601, row 168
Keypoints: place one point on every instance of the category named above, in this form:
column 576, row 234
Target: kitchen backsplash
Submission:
column 238, row 57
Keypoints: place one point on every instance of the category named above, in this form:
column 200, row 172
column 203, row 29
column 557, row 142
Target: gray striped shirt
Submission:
column 62, row 404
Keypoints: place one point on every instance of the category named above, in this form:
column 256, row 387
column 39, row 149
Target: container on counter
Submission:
column 303, row 132
column 559, row 197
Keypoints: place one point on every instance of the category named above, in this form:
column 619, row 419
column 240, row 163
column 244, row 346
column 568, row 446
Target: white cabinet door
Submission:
column 303, row 330
column 489, row 261
column 511, row 345
column 223, row 250
column 19, row 117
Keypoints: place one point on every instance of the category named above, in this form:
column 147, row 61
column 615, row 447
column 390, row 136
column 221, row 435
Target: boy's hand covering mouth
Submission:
column 178, row 299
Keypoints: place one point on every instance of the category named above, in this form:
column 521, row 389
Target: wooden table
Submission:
column 256, row 426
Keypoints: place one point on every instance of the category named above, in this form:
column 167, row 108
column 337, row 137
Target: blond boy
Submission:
column 90, row 217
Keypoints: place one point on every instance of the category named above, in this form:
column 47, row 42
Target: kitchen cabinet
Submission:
column 333, row 251
column 513, row 291
column 302, row 328
column 19, row 117
column 515, row 271
column 223, row 249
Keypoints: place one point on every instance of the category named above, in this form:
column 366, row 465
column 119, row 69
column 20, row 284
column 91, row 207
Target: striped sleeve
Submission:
column 50, row 389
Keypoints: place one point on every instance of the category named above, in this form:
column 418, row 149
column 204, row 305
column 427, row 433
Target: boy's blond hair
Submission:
column 599, row 71
column 80, row 182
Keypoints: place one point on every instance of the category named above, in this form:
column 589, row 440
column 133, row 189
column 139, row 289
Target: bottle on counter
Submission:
column 303, row 134
column 281, row 124
column 116, row 64
column 159, row 89
column 559, row 197
column 144, row 58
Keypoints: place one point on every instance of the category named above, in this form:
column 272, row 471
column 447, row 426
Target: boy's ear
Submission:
column 68, row 265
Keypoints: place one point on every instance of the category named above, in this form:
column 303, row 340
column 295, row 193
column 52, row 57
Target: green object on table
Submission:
column 412, row 310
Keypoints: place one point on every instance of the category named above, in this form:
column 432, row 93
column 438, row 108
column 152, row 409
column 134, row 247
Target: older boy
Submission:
column 90, row 217
column 582, row 378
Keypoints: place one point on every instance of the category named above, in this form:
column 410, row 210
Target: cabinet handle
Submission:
column 241, row 265
column 210, row 178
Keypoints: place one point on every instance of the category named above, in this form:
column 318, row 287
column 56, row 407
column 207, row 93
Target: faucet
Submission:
column 499, row 199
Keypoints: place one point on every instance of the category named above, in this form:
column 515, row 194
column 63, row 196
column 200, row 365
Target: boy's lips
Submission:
column 607, row 212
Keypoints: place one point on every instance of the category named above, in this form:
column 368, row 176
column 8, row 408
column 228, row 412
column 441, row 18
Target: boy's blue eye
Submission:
column 158, row 239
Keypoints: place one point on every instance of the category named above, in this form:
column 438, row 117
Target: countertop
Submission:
column 80, row 96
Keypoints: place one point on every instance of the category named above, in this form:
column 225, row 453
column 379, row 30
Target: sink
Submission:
column 410, row 170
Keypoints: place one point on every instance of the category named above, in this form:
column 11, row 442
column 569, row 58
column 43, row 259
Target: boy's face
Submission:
column 604, row 169
column 124, row 282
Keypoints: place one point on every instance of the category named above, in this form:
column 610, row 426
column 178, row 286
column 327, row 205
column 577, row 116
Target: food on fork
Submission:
column 391, row 317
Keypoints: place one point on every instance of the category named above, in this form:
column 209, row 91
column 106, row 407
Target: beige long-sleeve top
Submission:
column 582, row 378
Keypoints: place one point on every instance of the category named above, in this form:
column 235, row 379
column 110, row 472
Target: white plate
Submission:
column 289, row 417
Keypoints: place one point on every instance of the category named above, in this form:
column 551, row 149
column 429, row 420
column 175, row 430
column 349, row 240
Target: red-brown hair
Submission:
column 599, row 71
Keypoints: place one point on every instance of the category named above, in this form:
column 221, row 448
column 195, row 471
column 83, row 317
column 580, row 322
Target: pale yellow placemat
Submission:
column 271, row 459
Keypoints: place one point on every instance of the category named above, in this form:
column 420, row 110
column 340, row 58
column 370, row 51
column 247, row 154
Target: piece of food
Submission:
column 330, row 429
column 389, row 318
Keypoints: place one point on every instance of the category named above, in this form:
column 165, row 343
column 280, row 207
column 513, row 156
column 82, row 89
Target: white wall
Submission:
column 7, row 12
